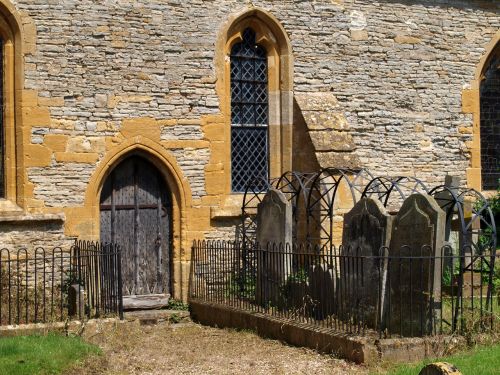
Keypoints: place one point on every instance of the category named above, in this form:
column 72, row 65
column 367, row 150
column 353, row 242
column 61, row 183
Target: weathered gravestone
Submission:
column 274, row 239
column 452, row 236
column 363, row 271
column 414, row 269
column 322, row 281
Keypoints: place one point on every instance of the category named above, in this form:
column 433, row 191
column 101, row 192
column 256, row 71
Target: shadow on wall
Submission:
column 303, row 152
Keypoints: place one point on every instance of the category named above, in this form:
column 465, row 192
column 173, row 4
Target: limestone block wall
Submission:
column 384, row 85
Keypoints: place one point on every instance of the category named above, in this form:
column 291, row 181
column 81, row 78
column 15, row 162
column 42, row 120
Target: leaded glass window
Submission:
column 2, row 130
column 490, row 124
column 249, row 112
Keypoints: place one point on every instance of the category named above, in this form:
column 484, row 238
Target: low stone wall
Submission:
column 351, row 347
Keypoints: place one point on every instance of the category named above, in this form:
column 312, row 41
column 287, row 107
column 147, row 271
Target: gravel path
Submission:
column 189, row 348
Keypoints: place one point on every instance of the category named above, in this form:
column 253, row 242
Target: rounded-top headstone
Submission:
column 440, row 368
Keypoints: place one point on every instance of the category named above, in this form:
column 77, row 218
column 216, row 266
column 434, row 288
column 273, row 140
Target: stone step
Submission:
column 150, row 317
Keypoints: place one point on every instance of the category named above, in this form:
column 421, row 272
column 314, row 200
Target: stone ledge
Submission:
column 29, row 218
column 354, row 348
column 360, row 349
column 226, row 212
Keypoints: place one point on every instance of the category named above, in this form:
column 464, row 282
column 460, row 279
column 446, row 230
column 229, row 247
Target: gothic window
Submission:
column 249, row 112
column 490, row 123
column 2, row 128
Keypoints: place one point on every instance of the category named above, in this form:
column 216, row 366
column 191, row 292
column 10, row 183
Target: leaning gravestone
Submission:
column 363, row 271
column 414, row 270
column 453, row 231
column 274, row 239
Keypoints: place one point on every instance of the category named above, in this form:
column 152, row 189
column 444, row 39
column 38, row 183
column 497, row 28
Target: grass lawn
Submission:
column 482, row 360
column 42, row 354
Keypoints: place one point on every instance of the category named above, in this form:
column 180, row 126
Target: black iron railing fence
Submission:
column 49, row 285
column 407, row 293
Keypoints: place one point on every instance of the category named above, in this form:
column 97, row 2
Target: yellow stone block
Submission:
column 469, row 100
column 79, row 222
column 188, row 122
column 219, row 152
column 167, row 122
column 102, row 29
column 76, row 157
column 465, row 129
column 474, row 143
column 405, row 39
column 62, row 124
column 30, row 98
column 86, row 144
column 143, row 76
column 214, row 132
column 105, row 126
column 144, row 126
column 359, row 35
column 185, row 144
column 215, row 182
column 56, row 142
column 475, row 157
column 29, row 188
column 36, row 116
column 112, row 142
column 118, row 43
column 29, row 32
column 211, row 119
column 29, row 48
column 199, row 218
column 474, row 178
column 37, row 156
column 51, row 102
column 214, row 167
column 34, row 203
column 210, row 200
column 419, row 128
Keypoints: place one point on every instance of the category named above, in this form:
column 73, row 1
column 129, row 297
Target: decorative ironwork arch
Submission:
column 382, row 188
column 294, row 185
column 314, row 197
column 469, row 212
column 323, row 196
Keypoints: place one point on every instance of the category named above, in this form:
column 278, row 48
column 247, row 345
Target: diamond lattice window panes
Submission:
column 249, row 112
column 490, row 124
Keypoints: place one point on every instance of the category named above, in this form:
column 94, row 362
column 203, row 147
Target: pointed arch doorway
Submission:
column 136, row 213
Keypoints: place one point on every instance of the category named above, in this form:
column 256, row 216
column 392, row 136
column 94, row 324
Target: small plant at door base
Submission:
column 175, row 318
column 175, row 304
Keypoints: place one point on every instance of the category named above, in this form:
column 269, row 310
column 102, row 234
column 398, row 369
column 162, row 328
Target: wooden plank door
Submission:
column 136, row 214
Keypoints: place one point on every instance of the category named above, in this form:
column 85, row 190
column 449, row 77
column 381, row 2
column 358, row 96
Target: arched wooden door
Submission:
column 135, row 213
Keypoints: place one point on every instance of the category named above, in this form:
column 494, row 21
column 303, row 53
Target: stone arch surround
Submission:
column 273, row 37
column 471, row 104
column 86, row 223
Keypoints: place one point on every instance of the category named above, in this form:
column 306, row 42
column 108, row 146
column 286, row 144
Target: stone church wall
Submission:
column 378, row 85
